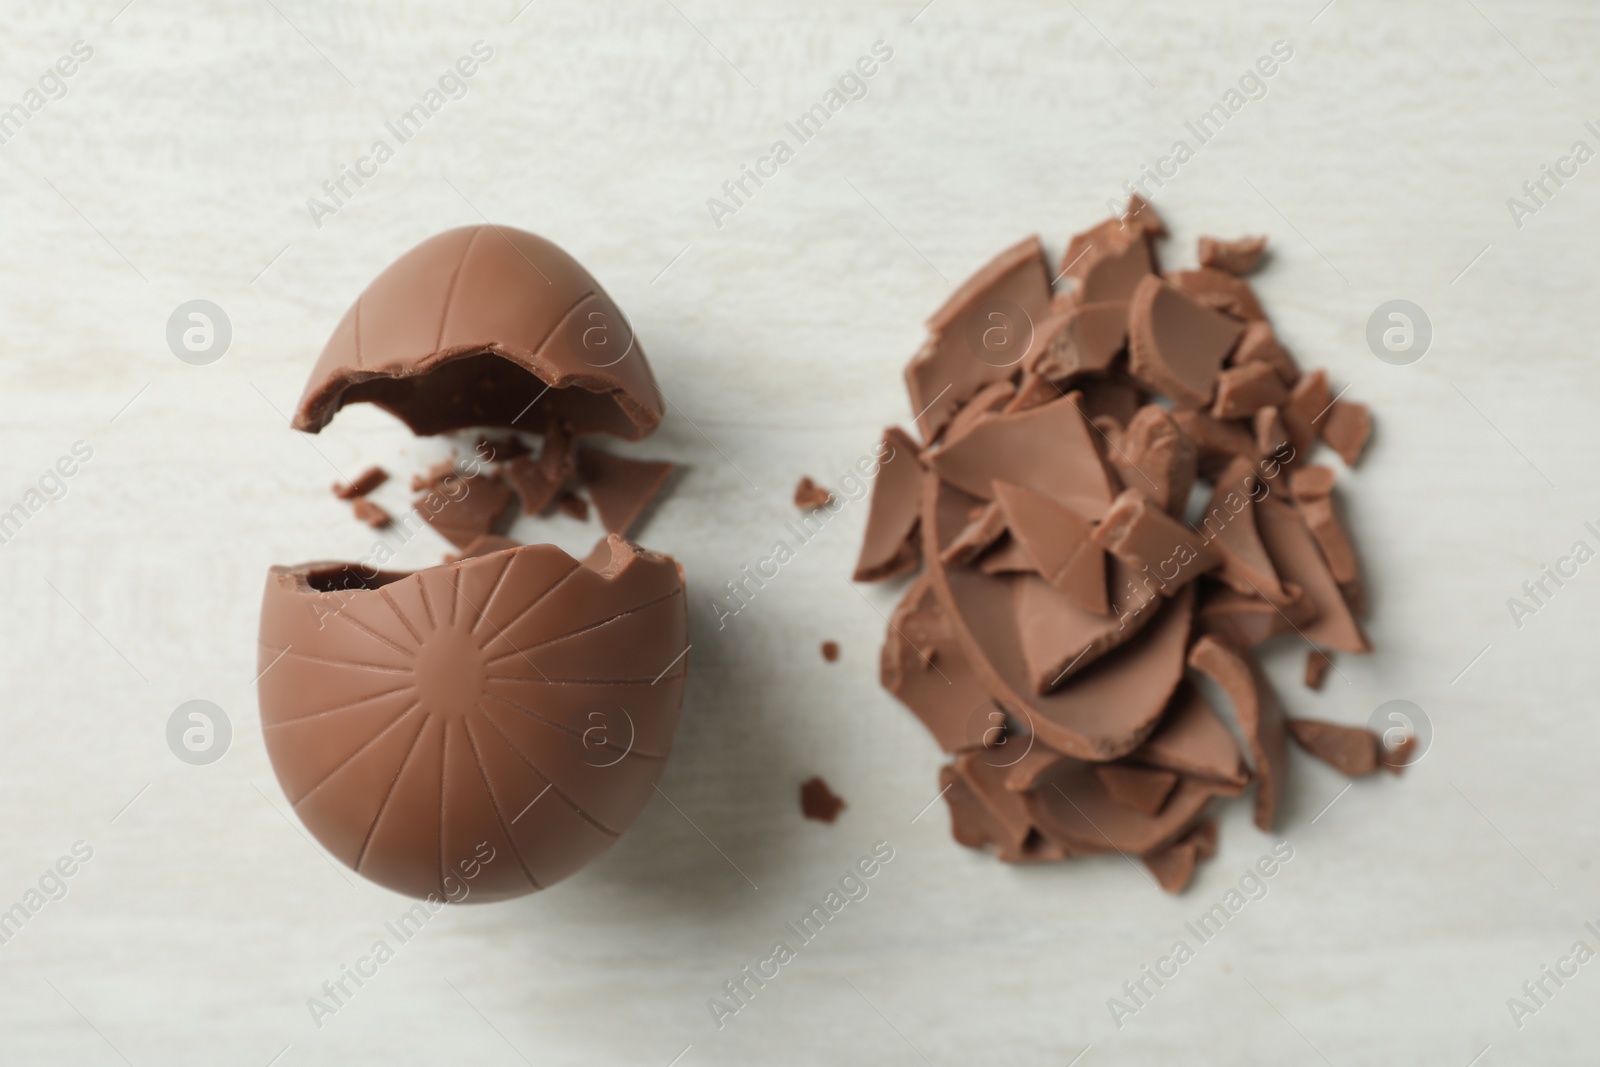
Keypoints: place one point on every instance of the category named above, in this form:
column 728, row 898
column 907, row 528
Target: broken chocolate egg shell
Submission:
column 519, row 704
column 474, row 325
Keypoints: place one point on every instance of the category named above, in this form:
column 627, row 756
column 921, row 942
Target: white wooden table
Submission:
column 178, row 165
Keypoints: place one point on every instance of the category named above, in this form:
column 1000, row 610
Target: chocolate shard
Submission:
column 1395, row 760
column 1229, row 524
column 1048, row 449
column 1246, row 389
column 1272, row 436
column 1311, row 482
column 537, row 482
column 409, row 716
column 971, row 822
column 1151, row 542
column 361, row 484
column 434, row 476
column 1259, row 344
column 1157, row 458
column 1193, row 741
column 1258, row 713
column 1220, row 290
column 986, row 525
column 1306, row 407
column 1174, row 866
column 1139, row 788
column 570, row 504
column 1056, row 540
column 1176, row 345
column 818, row 802
column 1140, row 215
column 925, row 667
column 1238, row 256
column 1085, row 340
column 1007, row 557
column 830, row 651
column 991, row 398
column 470, row 327
column 1032, row 391
column 1073, row 806
column 371, row 514
column 621, row 488
column 987, row 773
column 1105, row 241
column 1299, row 560
column 1317, row 664
column 464, row 509
column 1337, row 551
column 486, row 545
column 890, row 545
column 1218, row 443
column 1245, row 620
column 1351, row 750
column 969, row 347
column 809, row 496
column 1346, row 429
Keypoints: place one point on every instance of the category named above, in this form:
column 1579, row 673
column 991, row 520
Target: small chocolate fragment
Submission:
column 1260, row 718
column 1114, row 395
column 1056, row 540
column 1259, row 344
column 1236, row 257
column 890, row 545
column 1193, row 741
column 1174, row 865
column 924, row 666
column 1307, row 406
column 464, row 509
column 1073, row 806
column 371, row 514
column 412, row 719
column 1033, row 390
column 1153, row 543
column 1318, row 663
column 1176, row 345
column 1229, row 524
column 1048, row 449
column 1331, row 538
column 971, row 822
column 809, row 496
column 501, row 450
column 621, row 488
column 486, row 545
column 991, row 398
column 1311, row 482
column 537, row 482
column 1351, row 750
column 1396, row 759
column 1272, row 436
column 1006, row 556
column 572, row 505
column 1299, row 560
column 830, row 651
column 361, row 484
column 1245, row 620
column 819, row 802
column 1158, row 459
column 471, row 328
column 1246, row 389
column 434, row 476
column 1346, row 428
column 1219, row 443
column 1138, row 787
column 991, row 775
column 1086, row 339
column 986, row 525
column 1220, row 290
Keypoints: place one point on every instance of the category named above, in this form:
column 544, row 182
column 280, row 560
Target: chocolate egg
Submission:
column 494, row 723
column 486, row 326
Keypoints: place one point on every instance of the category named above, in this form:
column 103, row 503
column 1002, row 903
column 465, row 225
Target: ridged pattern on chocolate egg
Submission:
column 476, row 310
column 520, row 700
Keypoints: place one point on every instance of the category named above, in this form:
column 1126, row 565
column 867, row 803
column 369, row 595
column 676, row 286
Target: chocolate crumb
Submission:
column 371, row 514
column 1235, row 257
column 809, row 496
column 361, row 484
column 1317, row 664
column 819, row 802
column 830, row 651
column 573, row 505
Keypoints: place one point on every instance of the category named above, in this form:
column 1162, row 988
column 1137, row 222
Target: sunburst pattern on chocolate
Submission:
column 513, row 700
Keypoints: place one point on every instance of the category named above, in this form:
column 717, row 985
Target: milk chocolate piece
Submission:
column 1351, row 750
column 1218, row 443
column 1396, row 759
column 989, row 775
column 417, row 721
column 1246, row 389
column 992, row 397
column 1272, row 436
column 1259, row 344
column 501, row 450
column 1113, row 395
column 1105, row 240
column 1158, row 459
column 1229, row 523
column 819, row 802
column 1236, row 257
column 925, row 667
column 538, row 482
column 572, row 505
column 1317, row 664
column 1311, row 482
column 1245, row 620
column 486, row 545
column 1193, row 741
column 1006, row 556
column 470, row 328
column 1297, row 558
column 621, row 488
column 1087, row 339
column 1258, row 713
column 890, row 545
column 1141, row 216
column 1176, row 346
column 464, row 509
column 1153, row 543
column 969, row 347
column 986, row 524
column 1330, row 537
column 1138, row 787
column 1220, row 290
column 1174, row 865
column 808, row 495
column 971, row 822
column 1048, row 449
column 1033, row 390
column 361, row 484
column 434, row 476
column 1116, row 271
column 1346, row 428
column 830, row 651
column 1056, row 540
column 371, row 514
column 1306, row 407
column 1074, row 807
